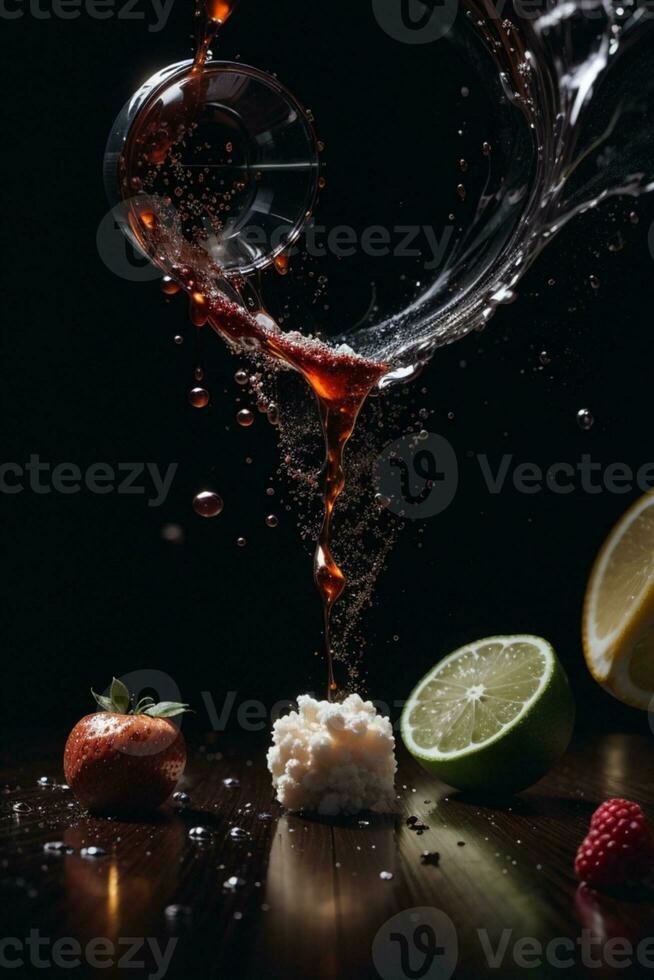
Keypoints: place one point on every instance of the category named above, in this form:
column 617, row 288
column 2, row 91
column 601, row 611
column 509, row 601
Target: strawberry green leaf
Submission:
column 105, row 703
column 143, row 704
column 119, row 696
column 166, row 709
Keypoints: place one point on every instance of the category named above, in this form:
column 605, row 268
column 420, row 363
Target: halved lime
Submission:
column 493, row 716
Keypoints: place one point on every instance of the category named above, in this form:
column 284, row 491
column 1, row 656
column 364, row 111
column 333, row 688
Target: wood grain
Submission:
column 309, row 900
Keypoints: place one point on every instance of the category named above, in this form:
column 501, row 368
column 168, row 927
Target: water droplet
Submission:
column 199, row 833
column 241, row 377
column 486, row 149
column 265, row 817
column 241, row 542
column 238, row 833
column 57, row 847
column 272, row 520
column 231, row 782
column 93, row 852
column 199, row 397
column 46, row 781
column 169, row 286
column 633, row 217
column 430, row 857
column 363, row 823
column 177, row 913
column 465, row 91
column 585, row 419
column 461, row 191
column 594, row 281
column 386, row 875
column 178, row 340
column 207, row 504
column 245, row 418
column 22, row 808
column 233, row 883
column 173, row 533
column 382, row 501
column 273, row 414
column 183, row 800
column 544, row 358
column 281, row 264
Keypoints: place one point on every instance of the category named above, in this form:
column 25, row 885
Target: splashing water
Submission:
column 576, row 84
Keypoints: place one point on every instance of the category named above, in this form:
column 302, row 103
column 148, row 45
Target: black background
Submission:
column 91, row 374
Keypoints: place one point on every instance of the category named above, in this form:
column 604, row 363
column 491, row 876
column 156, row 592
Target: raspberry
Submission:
column 619, row 848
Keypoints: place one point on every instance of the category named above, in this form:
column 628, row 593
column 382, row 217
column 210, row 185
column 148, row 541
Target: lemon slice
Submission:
column 618, row 620
column 493, row 716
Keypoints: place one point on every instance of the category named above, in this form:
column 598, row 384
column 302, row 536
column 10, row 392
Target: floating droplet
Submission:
column 173, row 533
column 245, row 418
column 207, row 504
column 46, row 781
column 198, row 397
column 461, row 191
column 382, row 501
column 265, row 817
column 169, row 286
column 386, row 875
column 93, row 852
column 21, row 808
column 281, row 264
column 198, row 309
column 585, row 419
column 273, row 414
column 544, row 358
column 178, row 339
column 272, row 520
column 241, row 542
column 241, row 377
column 486, row 149
column 594, row 281
column 238, row 833
column 231, row 782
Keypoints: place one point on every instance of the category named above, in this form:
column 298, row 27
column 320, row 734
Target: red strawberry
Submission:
column 124, row 759
column 619, row 848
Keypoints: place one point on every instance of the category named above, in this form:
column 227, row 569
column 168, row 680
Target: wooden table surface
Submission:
column 308, row 900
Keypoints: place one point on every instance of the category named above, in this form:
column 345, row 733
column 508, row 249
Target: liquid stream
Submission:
column 552, row 72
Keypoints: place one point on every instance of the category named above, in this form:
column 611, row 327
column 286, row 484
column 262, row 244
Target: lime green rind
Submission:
column 520, row 754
